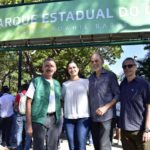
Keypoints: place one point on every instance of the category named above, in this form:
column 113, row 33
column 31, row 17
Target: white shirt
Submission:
column 6, row 105
column 75, row 96
column 51, row 106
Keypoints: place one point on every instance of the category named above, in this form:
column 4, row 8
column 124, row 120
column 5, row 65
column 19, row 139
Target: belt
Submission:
column 50, row 114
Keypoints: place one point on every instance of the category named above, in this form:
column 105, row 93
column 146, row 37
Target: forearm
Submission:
column 147, row 120
column 102, row 110
column 111, row 104
column 28, row 112
column 146, row 133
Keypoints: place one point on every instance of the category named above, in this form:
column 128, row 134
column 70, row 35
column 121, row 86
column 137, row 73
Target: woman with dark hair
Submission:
column 76, row 108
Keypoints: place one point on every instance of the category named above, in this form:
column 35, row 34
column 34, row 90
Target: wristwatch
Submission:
column 147, row 130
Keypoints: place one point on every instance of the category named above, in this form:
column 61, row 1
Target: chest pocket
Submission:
column 135, row 94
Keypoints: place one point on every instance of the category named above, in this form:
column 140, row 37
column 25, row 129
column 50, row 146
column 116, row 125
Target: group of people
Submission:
column 12, row 121
column 88, row 104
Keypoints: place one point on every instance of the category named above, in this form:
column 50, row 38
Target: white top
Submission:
column 6, row 105
column 75, row 96
column 51, row 106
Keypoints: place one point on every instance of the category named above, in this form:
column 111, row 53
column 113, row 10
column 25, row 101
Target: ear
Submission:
column 55, row 68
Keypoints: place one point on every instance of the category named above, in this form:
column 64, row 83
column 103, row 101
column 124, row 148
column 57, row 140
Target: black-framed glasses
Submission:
column 128, row 66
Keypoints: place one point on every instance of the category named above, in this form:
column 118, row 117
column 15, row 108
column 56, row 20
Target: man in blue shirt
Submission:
column 103, row 94
column 135, row 109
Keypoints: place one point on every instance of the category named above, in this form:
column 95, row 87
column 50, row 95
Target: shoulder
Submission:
column 142, row 81
column 84, row 81
column 56, row 83
column 39, row 80
column 36, row 79
column 91, row 76
column 66, row 83
column 110, row 73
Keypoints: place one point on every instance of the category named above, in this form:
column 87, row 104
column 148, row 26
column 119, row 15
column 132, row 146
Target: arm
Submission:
column 28, row 117
column 146, row 135
column 16, row 102
column 114, row 86
column 102, row 110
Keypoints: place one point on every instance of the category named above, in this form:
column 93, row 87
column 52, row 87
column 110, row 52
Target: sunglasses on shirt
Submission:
column 128, row 66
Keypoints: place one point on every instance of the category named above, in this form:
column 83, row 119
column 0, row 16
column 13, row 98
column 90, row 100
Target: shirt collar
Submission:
column 102, row 72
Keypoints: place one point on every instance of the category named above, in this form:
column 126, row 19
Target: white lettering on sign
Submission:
column 125, row 12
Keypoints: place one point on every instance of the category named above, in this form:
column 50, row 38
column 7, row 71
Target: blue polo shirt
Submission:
column 101, row 91
column 134, row 96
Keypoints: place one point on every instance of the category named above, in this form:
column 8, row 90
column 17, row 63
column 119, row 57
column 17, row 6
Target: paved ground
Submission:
column 64, row 146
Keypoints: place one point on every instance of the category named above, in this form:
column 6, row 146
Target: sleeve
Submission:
column 63, row 91
column 147, row 93
column 115, row 87
column 17, row 98
column 87, row 86
column 30, row 91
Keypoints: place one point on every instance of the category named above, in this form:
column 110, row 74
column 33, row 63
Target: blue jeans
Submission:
column 76, row 131
column 101, row 135
column 20, row 124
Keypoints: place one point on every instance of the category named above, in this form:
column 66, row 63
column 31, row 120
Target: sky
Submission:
column 129, row 51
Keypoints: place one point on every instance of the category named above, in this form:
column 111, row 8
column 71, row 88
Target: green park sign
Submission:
column 73, row 18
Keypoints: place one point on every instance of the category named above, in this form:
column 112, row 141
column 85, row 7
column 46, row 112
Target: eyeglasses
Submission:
column 128, row 66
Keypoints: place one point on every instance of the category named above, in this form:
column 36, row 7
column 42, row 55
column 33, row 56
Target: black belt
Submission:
column 50, row 114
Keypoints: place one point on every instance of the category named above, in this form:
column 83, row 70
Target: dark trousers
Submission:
column 0, row 130
column 6, row 130
column 46, row 133
column 132, row 140
column 101, row 135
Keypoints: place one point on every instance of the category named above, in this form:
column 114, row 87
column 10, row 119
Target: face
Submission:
column 49, row 68
column 129, row 68
column 73, row 70
column 96, row 62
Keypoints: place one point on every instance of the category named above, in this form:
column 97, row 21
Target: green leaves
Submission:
column 144, row 65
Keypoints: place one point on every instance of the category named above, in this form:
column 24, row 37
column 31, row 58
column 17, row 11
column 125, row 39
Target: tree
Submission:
column 32, row 60
column 144, row 65
column 82, row 55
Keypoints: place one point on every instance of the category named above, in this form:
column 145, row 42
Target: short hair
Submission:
column 129, row 58
column 49, row 59
column 100, row 56
column 5, row 89
column 25, row 86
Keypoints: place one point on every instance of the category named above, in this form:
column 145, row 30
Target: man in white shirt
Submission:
column 43, row 110
column 6, row 113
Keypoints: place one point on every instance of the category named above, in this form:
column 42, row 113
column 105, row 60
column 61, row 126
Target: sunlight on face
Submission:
column 129, row 68
column 73, row 70
column 96, row 62
column 49, row 68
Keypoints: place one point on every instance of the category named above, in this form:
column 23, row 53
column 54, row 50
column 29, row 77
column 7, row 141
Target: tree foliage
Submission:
column 62, row 56
column 32, row 60
column 144, row 65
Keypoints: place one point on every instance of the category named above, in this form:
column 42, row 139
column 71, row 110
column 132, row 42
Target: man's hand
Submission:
column 146, row 136
column 102, row 110
column 29, row 130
